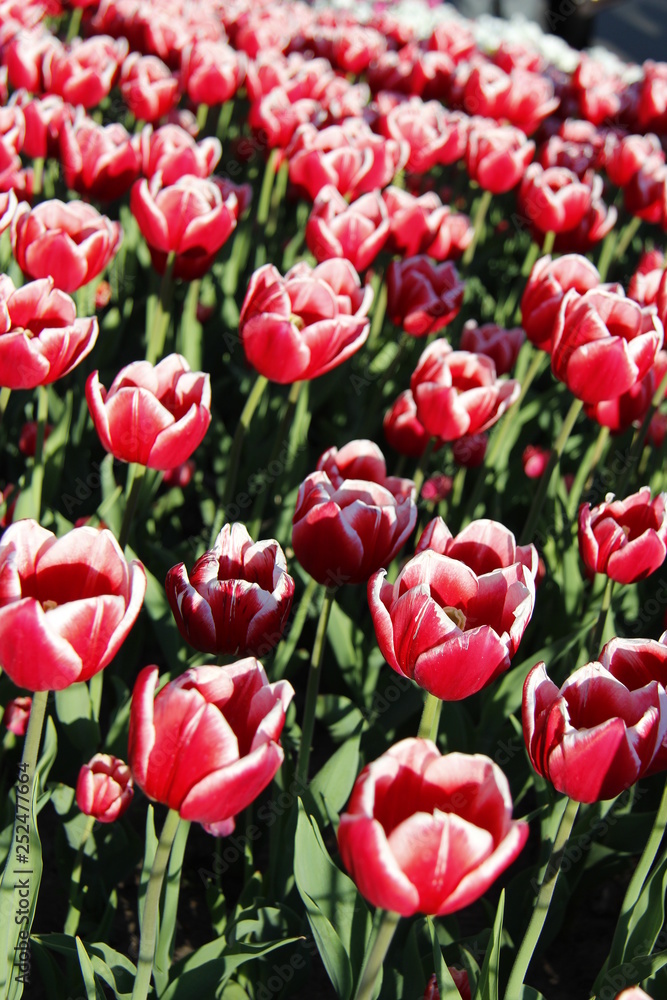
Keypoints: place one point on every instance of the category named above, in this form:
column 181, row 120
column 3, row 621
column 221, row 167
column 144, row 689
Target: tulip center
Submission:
column 298, row 321
column 49, row 605
column 456, row 616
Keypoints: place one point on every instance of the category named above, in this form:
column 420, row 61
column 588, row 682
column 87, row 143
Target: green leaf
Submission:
column 487, row 984
column 333, row 783
column 149, row 857
column 446, row 986
column 336, row 912
column 648, row 914
column 630, row 973
column 171, row 891
column 75, row 714
column 208, row 968
column 87, row 972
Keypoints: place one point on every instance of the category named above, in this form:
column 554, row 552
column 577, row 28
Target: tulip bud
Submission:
column 104, row 788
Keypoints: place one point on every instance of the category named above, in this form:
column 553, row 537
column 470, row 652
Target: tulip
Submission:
column 84, row 72
column 68, row 242
column 423, row 225
column 437, row 488
column 555, row 200
column 625, row 539
column 276, row 116
column 545, row 289
column 345, row 529
column 148, row 87
column 484, row 545
column 603, row 343
column 350, row 156
column 593, row 737
column 173, row 153
column 450, row 629
column 422, row 297
column 191, row 218
column 625, row 155
column 469, row 451
column 403, row 430
column 41, row 339
column 497, row 157
column 306, row 323
column 66, row 604
column 99, row 162
column 16, row 714
column 457, row 393
column 535, row 460
column 237, row 598
column 627, row 409
column 578, row 157
column 435, row 136
column 427, row 833
column 44, row 119
column 356, row 232
column 24, row 56
column 211, row 71
column 645, row 192
column 155, row 416
column 461, row 981
column 207, row 744
column 501, row 345
column 104, row 788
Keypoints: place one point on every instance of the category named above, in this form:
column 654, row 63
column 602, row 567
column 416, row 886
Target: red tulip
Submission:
column 16, row 714
column 104, row 788
column 402, row 430
column 546, row 287
column 469, row 451
column 40, row 337
column 627, row 409
column 207, row 745
column 423, row 225
column 345, row 529
column 156, row 416
column 645, row 194
column 306, row 323
column 597, row 90
column 636, row 663
column 191, row 218
column 237, row 598
column 603, row 343
column 529, row 100
column 44, row 119
column 497, row 157
column 276, row 116
column 437, row 488
column 66, row 604
column 211, row 71
column 625, row 539
column 428, row 833
column 355, row 231
column 173, row 153
column 450, row 629
column 594, row 737
column 501, row 345
column 350, row 156
column 579, row 157
column 85, row 71
column 555, row 200
column 101, row 163
column 24, row 57
column 148, row 87
column 535, row 461
column 484, row 545
column 625, row 155
column 71, row 243
column 435, row 136
column 457, row 393
column 651, row 107
column 423, row 297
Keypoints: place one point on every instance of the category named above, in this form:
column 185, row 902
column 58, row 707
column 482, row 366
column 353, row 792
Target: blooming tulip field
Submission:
column 333, row 594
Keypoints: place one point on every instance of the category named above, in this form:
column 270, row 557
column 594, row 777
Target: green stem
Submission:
column 378, row 313
column 37, row 176
column 278, row 446
column 202, row 115
column 602, row 618
column 545, row 479
column 636, row 885
column 590, row 463
column 277, row 197
column 627, row 236
column 135, row 478
column 606, row 254
column 422, row 465
column 162, row 314
column 375, row 955
column 514, row 989
column 37, row 477
column 190, row 329
column 5, row 393
column 224, row 119
column 640, row 437
column 313, row 687
column 148, row 939
column 267, row 187
column 30, row 871
column 75, row 894
column 480, row 215
column 74, row 24
column 430, row 720
column 251, row 404
column 289, row 642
